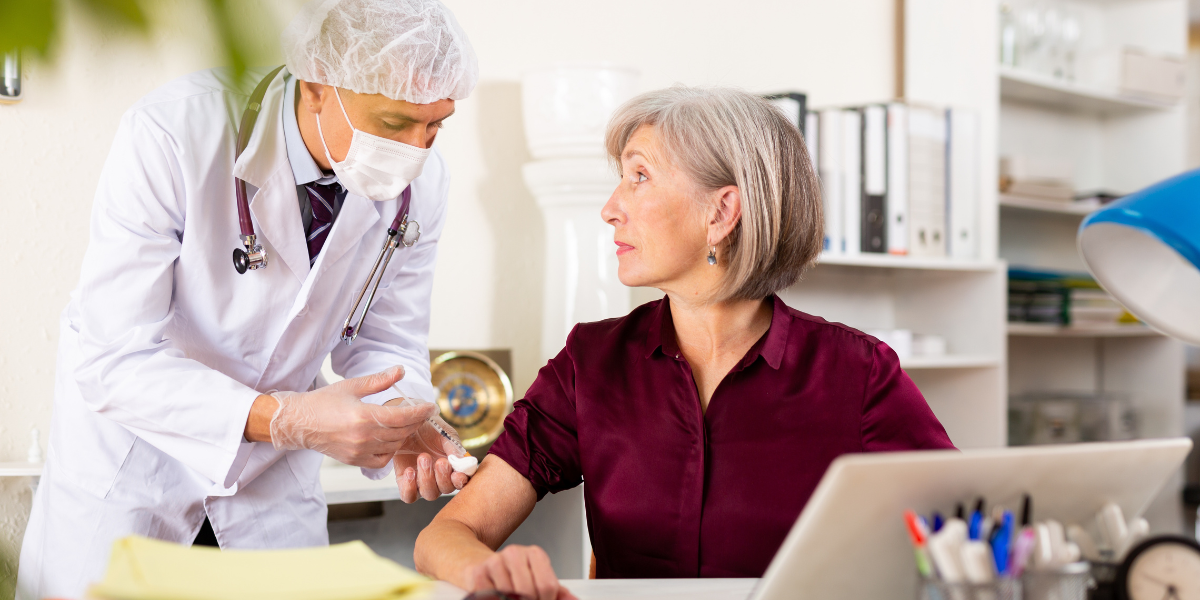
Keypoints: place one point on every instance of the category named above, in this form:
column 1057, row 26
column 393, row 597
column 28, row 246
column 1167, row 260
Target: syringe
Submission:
column 445, row 434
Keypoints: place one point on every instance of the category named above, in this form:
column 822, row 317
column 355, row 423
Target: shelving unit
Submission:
column 1037, row 88
column 950, row 361
column 1079, row 331
column 962, row 301
column 20, row 469
column 1046, row 206
column 888, row 261
column 1117, row 144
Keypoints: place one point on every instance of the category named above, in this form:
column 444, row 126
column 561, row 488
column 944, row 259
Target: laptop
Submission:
column 850, row 541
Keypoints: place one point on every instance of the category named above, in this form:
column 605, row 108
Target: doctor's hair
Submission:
column 721, row 137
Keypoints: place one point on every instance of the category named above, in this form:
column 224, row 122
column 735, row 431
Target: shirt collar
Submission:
column 304, row 168
column 771, row 346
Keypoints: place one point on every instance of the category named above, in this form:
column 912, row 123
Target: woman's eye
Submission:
column 638, row 177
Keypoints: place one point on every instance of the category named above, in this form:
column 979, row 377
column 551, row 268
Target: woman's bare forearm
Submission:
column 474, row 523
column 447, row 549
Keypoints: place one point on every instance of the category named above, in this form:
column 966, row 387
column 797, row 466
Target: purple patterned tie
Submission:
column 323, row 198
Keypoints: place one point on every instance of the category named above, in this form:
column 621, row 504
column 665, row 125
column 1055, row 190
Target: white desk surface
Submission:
column 635, row 589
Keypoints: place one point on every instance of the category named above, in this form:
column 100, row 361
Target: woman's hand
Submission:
column 420, row 464
column 423, row 476
column 523, row 570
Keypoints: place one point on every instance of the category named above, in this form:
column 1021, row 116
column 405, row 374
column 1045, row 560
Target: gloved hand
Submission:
column 334, row 420
column 422, row 463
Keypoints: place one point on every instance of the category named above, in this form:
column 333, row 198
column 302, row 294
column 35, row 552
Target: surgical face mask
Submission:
column 375, row 167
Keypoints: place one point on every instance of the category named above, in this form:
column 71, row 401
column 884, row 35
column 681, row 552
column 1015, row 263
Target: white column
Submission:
column 566, row 109
column 581, row 282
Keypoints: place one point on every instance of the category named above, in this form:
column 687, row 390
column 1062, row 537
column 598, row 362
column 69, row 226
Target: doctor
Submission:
column 188, row 393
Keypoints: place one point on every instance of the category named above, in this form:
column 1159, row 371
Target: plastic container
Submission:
column 1002, row 589
column 1070, row 582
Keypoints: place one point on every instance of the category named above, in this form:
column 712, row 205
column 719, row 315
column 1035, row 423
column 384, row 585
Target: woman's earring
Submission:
column 712, row 256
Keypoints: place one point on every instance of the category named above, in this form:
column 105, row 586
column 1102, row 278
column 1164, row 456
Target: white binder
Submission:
column 830, row 162
column 963, row 193
column 897, row 178
column 927, row 181
column 852, row 181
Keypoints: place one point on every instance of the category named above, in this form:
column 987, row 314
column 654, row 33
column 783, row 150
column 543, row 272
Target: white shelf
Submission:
column 346, row 485
column 889, row 261
column 1047, row 206
column 1016, row 84
column 342, row 484
column 1082, row 331
column 949, row 361
column 20, row 469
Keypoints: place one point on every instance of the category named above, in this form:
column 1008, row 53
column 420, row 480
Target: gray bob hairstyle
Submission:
column 722, row 137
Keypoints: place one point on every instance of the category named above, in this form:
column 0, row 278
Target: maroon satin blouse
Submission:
column 676, row 491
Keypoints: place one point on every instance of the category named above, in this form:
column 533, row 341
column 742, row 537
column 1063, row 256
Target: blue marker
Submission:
column 975, row 526
column 938, row 521
column 1002, row 541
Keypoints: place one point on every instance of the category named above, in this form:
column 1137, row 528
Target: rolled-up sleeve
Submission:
column 895, row 415
column 540, row 438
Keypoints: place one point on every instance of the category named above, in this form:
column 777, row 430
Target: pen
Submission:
column 975, row 528
column 1022, row 549
column 1001, row 542
column 1026, row 510
column 916, row 532
column 960, row 512
column 938, row 521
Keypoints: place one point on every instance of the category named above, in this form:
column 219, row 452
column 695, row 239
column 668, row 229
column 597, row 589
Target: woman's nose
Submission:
column 611, row 212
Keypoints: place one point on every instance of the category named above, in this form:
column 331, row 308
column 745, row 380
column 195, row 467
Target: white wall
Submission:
column 488, row 287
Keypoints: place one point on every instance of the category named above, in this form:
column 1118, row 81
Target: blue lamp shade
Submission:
column 1145, row 250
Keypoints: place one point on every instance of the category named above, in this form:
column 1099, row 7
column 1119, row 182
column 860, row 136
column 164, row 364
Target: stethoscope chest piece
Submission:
column 250, row 259
column 412, row 233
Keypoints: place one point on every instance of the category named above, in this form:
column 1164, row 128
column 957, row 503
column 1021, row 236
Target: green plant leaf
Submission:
column 121, row 12
column 28, row 25
column 235, row 51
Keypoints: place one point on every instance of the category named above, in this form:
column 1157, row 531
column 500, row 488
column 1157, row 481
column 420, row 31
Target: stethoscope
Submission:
column 402, row 232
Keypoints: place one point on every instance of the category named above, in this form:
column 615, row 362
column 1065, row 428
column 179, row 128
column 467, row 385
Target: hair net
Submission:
column 411, row 50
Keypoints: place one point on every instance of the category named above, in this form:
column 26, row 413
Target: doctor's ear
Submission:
column 314, row 95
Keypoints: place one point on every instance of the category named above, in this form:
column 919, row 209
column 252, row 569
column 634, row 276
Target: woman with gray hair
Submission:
column 703, row 421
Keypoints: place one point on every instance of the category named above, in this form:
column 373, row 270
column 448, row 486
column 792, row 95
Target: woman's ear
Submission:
column 725, row 214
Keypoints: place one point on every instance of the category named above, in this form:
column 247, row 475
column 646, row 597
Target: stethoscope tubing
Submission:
column 254, row 257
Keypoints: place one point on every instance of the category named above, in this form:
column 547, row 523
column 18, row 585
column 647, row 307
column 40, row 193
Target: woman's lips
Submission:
column 622, row 248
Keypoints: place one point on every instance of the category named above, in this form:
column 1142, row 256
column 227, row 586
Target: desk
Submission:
column 636, row 589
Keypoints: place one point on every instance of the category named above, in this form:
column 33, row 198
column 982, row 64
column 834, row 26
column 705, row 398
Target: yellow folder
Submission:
column 145, row 569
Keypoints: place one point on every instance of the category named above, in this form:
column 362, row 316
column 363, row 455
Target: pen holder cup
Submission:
column 1002, row 589
column 1069, row 582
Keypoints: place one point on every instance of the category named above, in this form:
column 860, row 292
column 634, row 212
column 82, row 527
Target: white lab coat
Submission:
column 164, row 347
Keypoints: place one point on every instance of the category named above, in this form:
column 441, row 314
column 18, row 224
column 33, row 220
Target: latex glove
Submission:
column 334, row 420
column 421, row 464
column 522, row 570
